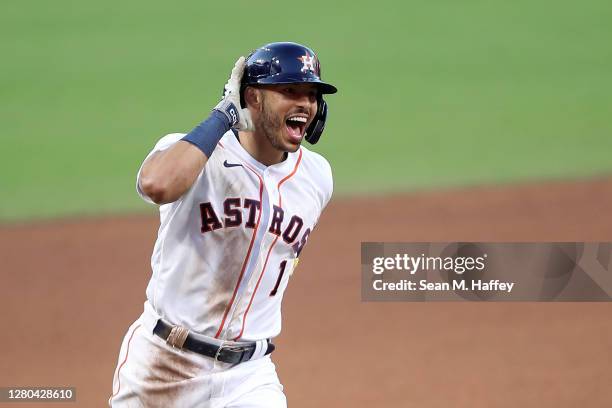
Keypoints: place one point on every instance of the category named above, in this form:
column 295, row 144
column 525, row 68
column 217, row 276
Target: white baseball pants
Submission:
column 150, row 373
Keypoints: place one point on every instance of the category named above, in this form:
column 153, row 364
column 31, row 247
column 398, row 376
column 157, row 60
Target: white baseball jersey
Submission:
column 226, row 248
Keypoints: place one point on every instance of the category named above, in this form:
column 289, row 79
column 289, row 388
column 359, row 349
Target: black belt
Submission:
column 228, row 353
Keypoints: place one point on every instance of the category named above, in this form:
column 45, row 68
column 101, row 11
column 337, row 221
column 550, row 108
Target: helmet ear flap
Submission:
column 315, row 129
column 243, row 85
column 244, row 81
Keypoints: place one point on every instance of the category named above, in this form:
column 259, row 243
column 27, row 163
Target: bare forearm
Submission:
column 167, row 175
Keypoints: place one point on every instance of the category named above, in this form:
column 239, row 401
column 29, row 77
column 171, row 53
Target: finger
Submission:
column 237, row 71
column 246, row 115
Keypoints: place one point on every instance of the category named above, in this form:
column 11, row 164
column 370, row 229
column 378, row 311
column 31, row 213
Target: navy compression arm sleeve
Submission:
column 208, row 133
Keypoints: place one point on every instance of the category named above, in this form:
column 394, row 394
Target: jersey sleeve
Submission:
column 163, row 144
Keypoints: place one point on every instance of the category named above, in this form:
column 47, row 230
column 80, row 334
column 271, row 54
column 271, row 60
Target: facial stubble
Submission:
column 271, row 125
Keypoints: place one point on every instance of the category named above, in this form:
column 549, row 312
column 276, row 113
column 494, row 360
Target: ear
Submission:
column 253, row 97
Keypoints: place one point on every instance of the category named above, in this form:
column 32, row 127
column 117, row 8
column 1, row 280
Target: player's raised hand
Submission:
column 230, row 104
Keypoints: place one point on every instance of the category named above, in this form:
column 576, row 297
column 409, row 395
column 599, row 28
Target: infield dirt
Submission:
column 70, row 289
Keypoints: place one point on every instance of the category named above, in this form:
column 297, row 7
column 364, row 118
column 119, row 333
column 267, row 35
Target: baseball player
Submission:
column 239, row 196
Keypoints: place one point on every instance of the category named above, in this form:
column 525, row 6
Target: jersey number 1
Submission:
column 283, row 265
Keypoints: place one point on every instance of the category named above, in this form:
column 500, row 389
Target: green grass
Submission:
column 432, row 94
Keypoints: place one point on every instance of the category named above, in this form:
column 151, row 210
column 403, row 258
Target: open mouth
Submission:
column 296, row 125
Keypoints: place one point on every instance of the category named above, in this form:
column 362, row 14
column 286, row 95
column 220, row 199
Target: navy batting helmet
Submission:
column 289, row 63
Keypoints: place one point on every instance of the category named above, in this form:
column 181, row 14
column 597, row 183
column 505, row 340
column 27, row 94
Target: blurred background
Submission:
column 460, row 120
column 432, row 93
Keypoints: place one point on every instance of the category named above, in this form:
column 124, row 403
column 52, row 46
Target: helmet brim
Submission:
column 280, row 79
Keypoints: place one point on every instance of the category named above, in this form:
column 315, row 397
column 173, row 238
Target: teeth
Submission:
column 298, row 119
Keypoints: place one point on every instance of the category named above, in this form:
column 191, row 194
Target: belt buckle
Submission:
column 228, row 347
column 219, row 351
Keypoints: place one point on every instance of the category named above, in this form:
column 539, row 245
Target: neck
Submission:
column 260, row 148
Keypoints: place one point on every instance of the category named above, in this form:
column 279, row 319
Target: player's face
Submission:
column 286, row 112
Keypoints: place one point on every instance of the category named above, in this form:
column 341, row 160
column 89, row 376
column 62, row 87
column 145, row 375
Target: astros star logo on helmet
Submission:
column 308, row 61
